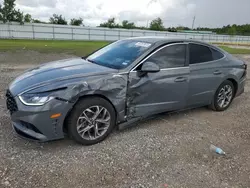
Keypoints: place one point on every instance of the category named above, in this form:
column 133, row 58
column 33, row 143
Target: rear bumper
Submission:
column 241, row 87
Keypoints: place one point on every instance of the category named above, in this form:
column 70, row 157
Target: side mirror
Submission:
column 149, row 67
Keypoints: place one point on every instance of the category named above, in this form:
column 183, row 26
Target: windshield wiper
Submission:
column 105, row 65
column 92, row 61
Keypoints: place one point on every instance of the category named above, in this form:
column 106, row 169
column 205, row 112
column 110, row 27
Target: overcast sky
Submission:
column 209, row 13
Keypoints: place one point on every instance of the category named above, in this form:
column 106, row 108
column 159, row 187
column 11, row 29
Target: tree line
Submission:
column 8, row 13
column 229, row 29
column 157, row 25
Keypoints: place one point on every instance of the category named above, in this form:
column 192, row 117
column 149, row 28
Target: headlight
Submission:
column 36, row 99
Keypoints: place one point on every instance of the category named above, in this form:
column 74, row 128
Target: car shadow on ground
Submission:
column 142, row 124
column 164, row 117
column 17, row 141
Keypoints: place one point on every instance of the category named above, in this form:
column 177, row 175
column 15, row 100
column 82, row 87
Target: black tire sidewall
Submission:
column 77, row 111
column 216, row 106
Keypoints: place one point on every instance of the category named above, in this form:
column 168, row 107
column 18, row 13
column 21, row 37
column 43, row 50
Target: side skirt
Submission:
column 134, row 121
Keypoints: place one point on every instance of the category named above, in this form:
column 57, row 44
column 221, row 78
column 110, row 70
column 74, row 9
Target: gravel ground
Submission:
column 171, row 150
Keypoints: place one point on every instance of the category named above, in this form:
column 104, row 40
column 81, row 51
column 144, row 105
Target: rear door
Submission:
column 205, row 74
column 165, row 90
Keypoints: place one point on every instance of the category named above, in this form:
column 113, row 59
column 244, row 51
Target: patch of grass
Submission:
column 79, row 48
column 231, row 44
column 235, row 50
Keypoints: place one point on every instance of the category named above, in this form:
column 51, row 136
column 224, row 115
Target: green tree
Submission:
column 18, row 16
column 171, row 29
column 8, row 13
column 182, row 28
column 57, row 19
column 27, row 18
column 110, row 23
column 76, row 22
column 37, row 21
column 232, row 31
column 157, row 25
column 128, row 25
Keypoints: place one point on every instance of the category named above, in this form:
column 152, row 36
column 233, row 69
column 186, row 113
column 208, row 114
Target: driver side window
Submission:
column 170, row 57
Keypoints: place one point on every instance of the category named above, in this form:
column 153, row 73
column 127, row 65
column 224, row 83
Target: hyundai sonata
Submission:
column 120, row 84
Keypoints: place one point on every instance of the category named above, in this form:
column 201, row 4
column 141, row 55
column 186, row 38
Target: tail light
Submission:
column 244, row 66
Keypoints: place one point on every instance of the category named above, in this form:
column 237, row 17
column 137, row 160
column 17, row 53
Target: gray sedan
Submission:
column 120, row 84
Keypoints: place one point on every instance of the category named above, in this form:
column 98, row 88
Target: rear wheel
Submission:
column 223, row 96
column 91, row 120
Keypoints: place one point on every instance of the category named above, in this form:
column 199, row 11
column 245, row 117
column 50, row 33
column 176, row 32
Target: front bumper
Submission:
column 35, row 122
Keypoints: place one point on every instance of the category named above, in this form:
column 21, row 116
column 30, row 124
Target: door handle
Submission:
column 180, row 79
column 217, row 72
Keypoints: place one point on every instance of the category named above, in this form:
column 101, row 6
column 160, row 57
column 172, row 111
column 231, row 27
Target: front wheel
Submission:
column 223, row 96
column 91, row 120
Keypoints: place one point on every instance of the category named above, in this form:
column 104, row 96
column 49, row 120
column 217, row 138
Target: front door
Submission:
column 165, row 90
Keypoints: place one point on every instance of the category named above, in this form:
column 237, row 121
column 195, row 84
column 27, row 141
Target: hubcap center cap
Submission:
column 92, row 123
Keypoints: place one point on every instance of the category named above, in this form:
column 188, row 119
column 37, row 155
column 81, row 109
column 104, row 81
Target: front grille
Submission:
column 10, row 102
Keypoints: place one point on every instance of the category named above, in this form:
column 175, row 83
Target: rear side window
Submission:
column 170, row 56
column 199, row 54
column 216, row 54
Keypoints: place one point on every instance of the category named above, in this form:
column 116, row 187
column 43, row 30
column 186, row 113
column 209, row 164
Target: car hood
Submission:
column 55, row 71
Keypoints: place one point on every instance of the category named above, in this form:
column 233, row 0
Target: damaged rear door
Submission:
column 166, row 90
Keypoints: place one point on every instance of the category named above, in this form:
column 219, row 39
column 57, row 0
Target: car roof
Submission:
column 155, row 39
column 158, row 41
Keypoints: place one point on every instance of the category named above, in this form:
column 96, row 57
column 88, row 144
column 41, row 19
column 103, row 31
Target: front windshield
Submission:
column 120, row 54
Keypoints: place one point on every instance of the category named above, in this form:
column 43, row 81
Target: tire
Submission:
column 79, row 126
column 217, row 103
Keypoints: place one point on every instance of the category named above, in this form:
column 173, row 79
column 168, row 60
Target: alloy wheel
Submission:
column 93, row 122
column 225, row 96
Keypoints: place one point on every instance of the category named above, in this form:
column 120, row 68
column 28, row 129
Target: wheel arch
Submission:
column 84, row 97
column 235, row 84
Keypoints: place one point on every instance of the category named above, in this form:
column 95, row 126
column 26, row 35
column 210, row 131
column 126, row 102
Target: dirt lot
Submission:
column 169, row 151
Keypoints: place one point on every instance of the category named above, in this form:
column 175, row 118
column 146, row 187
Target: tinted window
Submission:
column 170, row 56
column 199, row 54
column 216, row 54
column 120, row 54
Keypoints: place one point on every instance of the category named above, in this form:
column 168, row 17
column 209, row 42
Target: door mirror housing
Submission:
column 149, row 67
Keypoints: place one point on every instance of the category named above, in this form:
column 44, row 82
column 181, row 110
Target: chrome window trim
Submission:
column 174, row 68
column 209, row 46
column 167, row 45
column 185, row 67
